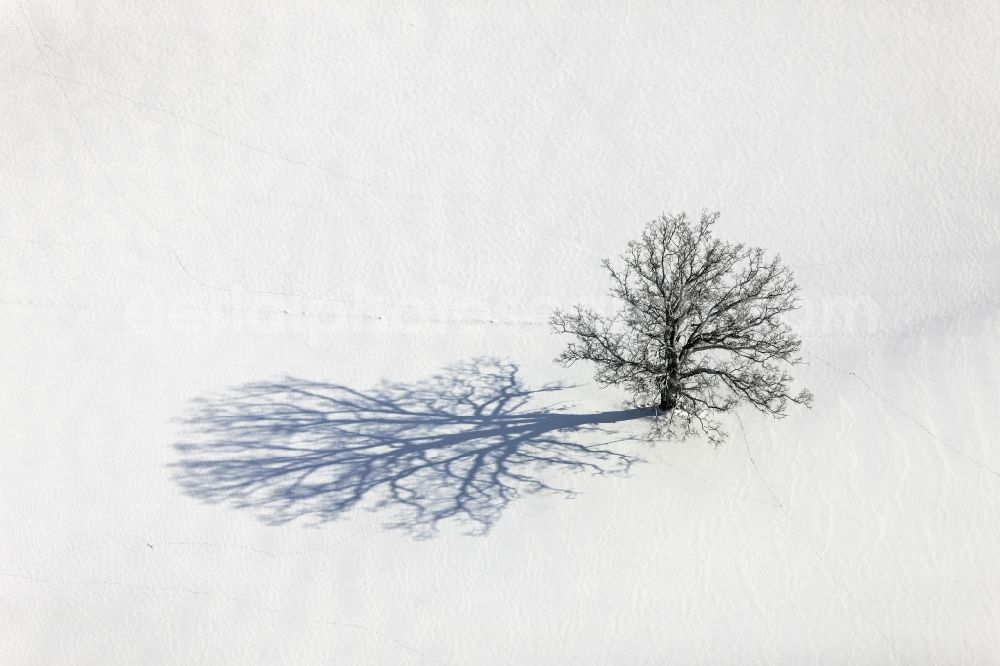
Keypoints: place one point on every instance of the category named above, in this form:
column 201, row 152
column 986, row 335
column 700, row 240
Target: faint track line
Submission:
column 271, row 554
column 38, row 41
column 839, row 582
column 40, row 241
column 273, row 154
column 905, row 413
column 333, row 316
column 231, row 599
column 162, row 242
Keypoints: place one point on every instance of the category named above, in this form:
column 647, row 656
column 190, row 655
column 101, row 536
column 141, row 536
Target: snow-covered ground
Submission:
column 231, row 236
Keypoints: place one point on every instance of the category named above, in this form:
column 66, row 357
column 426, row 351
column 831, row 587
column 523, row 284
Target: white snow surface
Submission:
column 386, row 200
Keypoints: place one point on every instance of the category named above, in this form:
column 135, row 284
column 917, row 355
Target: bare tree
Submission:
column 699, row 329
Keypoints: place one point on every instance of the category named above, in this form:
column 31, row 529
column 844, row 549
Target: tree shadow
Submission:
column 455, row 448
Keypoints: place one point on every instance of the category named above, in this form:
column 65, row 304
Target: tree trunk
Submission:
column 669, row 390
column 668, row 400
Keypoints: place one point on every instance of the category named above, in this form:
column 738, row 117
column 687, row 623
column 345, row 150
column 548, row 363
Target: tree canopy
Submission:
column 699, row 329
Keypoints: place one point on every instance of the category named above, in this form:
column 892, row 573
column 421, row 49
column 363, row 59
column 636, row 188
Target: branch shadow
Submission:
column 455, row 448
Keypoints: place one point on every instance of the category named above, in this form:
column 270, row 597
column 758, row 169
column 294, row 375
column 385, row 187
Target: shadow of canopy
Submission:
column 458, row 447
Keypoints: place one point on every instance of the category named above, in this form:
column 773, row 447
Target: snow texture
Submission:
column 277, row 385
